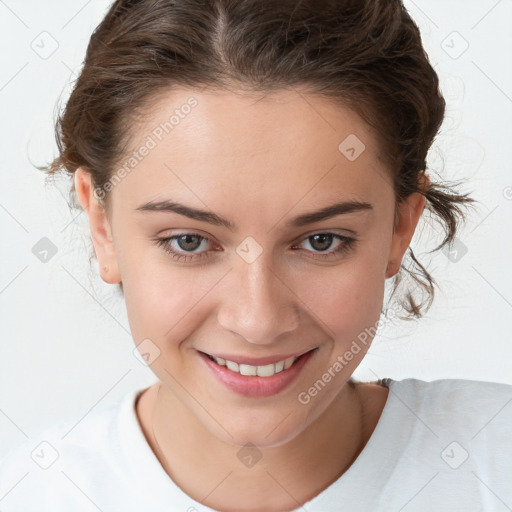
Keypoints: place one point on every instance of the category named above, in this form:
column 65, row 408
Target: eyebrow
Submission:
column 328, row 212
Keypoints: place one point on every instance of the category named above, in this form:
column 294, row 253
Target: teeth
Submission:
column 230, row 365
column 261, row 371
column 265, row 371
column 246, row 369
column 288, row 362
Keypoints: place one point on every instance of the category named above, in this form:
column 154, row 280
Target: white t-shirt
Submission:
column 444, row 445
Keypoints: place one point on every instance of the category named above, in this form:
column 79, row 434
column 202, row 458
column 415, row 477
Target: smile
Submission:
column 260, row 371
column 257, row 380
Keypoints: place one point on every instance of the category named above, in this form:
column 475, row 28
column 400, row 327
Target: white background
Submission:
column 66, row 347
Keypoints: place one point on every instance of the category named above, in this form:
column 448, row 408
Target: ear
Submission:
column 100, row 227
column 408, row 215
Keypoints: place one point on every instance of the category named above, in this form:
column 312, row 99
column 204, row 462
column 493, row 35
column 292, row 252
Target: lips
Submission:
column 267, row 370
column 257, row 361
column 267, row 381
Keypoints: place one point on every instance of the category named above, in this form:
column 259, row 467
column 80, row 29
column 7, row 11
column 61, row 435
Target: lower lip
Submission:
column 254, row 386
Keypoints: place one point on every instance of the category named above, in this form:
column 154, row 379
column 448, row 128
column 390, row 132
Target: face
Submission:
column 253, row 276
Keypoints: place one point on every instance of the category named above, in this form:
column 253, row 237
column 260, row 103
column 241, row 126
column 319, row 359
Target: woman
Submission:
column 253, row 174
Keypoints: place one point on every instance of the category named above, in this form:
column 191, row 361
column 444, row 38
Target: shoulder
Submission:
column 453, row 394
column 453, row 387
column 453, row 433
column 477, row 412
column 42, row 468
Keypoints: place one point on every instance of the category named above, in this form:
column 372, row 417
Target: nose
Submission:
column 258, row 303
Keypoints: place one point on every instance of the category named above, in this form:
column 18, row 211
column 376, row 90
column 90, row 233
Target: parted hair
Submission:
column 365, row 54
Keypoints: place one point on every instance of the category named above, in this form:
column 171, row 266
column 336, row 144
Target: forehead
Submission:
column 286, row 141
column 251, row 119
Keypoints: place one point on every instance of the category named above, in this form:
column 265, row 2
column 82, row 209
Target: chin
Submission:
column 272, row 431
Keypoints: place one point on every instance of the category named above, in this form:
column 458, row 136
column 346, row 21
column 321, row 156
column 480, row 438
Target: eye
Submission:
column 187, row 246
column 321, row 242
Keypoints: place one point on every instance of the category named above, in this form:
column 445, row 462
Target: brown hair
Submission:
column 366, row 54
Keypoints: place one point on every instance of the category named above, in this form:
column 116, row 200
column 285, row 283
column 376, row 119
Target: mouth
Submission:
column 262, row 370
column 257, row 381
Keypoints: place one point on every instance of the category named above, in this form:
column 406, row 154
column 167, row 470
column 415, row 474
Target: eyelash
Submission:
column 346, row 245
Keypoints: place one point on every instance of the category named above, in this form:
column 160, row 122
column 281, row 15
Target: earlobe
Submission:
column 391, row 269
column 101, row 231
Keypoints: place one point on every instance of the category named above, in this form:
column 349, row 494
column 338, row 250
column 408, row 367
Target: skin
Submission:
column 258, row 163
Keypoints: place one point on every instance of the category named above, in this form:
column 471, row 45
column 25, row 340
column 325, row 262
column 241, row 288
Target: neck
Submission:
column 210, row 470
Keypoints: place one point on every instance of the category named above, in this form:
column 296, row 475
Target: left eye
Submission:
column 323, row 240
column 189, row 243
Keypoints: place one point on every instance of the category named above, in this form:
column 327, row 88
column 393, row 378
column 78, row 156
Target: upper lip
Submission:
column 258, row 361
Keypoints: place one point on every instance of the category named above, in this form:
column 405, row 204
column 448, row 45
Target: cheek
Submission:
column 347, row 298
column 166, row 302
column 161, row 297
column 163, row 301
